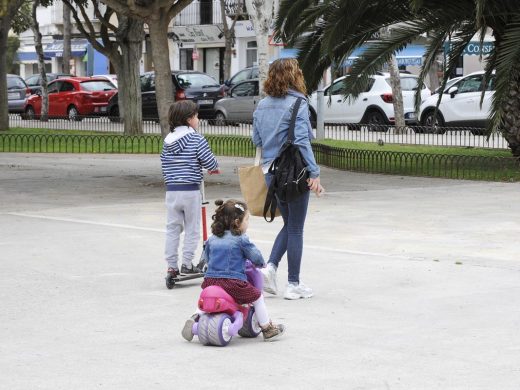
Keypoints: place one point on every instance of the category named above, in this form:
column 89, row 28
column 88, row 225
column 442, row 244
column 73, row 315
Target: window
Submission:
column 97, row 85
column 206, row 11
column 15, row 83
column 243, row 75
column 335, row 89
column 54, row 87
column 33, row 80
column 186, row 59
column 251, row 54
column 66, row 87
column 244, row 89
column 146, row 83
column 470, row 84
column 196, row 80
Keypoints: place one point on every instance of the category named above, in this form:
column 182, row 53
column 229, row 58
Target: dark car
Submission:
column 188, row 85
column 248, row 73
column 17, row 93
column 34, row 82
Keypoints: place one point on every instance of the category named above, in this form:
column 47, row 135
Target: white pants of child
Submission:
column 260, row 311
column 183, row 213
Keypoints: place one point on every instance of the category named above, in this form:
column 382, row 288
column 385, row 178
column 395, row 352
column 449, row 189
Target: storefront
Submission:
column 85, row 60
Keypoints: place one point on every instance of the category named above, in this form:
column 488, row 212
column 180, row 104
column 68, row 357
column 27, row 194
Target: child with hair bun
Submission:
column 226, row 253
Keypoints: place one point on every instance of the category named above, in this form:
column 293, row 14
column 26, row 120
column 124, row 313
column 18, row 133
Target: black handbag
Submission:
column 289, row 171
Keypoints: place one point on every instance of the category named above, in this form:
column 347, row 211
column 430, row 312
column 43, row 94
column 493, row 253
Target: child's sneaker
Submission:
column 297, row 291
column 187, row 331
column 272, row 331
column 188, row 271
column 171, row 274
column 269, row 274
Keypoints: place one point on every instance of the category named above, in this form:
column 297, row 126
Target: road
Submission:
column 416, row 280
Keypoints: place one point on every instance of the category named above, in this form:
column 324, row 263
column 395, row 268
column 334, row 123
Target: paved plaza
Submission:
column 417, row 284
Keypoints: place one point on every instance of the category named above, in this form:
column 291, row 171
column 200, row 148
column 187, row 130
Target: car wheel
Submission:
column 73, row 114
column 376, row 121
column 433, row 123
column 220, row 119
column 113, row 116
column 29, row 113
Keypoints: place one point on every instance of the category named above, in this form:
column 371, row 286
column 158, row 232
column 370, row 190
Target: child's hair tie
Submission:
column 239, row 206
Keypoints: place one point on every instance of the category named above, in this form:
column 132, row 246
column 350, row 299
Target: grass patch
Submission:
column 423, row 149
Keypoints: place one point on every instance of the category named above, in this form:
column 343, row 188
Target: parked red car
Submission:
column 74, row 98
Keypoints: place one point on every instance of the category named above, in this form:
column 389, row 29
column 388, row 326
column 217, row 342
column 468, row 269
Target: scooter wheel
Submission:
column 251, row 327
column 170, row 282
column 213, row 329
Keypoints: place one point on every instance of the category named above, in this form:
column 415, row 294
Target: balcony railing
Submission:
column 201, row 12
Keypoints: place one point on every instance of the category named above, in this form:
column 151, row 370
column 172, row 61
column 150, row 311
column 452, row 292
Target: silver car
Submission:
column 239, row 105
column 17, row 93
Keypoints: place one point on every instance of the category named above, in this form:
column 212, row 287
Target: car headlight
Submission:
column 410, row 115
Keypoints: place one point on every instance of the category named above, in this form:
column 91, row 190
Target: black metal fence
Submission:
column 416, row 135
column 386, row 162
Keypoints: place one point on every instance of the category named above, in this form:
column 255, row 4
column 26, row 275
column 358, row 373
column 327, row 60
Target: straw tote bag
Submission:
column 253, row 186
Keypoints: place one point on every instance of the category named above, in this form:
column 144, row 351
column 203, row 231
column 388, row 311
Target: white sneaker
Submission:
column 297, row 291
column 269, row 274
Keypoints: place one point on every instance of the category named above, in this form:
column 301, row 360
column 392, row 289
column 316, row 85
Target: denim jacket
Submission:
column 271, row 121
column 226, row 256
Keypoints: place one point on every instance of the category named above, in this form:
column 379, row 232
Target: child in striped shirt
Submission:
column 185, row 152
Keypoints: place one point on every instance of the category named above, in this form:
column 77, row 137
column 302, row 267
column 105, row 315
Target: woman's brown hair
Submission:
column 284, row 74
column 180, row 112
column 228, row 216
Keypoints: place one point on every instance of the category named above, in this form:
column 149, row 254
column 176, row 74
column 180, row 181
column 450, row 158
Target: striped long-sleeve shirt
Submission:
column 185, row 152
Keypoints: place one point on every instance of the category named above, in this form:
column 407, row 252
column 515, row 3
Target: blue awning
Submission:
column 78, row 48
column 410, row 55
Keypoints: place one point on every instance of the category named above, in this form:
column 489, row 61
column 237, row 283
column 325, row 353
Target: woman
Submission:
column 284, row 85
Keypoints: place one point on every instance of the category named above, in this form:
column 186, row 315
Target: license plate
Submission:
column 13, row 95
column 201, row 102
column 103, row 109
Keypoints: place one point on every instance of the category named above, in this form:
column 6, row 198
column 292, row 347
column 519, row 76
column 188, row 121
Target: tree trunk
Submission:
column 67, row 30
column 130, row 105
column 5, row 23
column 158, row 28
column 35, row 27
column 511, row 118
column 261, row 13
column 397, row 93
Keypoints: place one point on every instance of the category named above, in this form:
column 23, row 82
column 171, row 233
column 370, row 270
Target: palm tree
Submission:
column 327, row 31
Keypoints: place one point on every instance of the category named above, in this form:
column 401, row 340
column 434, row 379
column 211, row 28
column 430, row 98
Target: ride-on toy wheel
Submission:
column 251, row 327
column 170, row 282
column 213, row 329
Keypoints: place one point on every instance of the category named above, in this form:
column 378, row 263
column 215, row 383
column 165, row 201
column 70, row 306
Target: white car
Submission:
column 460, row 106
column 110, row 77
column 375, row 106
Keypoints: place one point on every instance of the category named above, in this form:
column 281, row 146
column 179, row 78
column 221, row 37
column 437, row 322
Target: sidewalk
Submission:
column 417, row 284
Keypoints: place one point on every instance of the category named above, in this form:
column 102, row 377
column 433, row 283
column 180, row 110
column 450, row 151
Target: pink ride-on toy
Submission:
column 223, row 317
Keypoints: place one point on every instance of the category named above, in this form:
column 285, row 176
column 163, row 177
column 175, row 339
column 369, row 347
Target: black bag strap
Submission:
column 296, row 108
column 271, row 202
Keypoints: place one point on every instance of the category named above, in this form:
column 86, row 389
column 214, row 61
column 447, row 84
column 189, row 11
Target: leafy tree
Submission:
column 328, row 31
column 13, row 44
column 124, row 52
column 157, row 14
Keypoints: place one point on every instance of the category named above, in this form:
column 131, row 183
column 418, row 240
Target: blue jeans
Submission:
column 290, row 238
